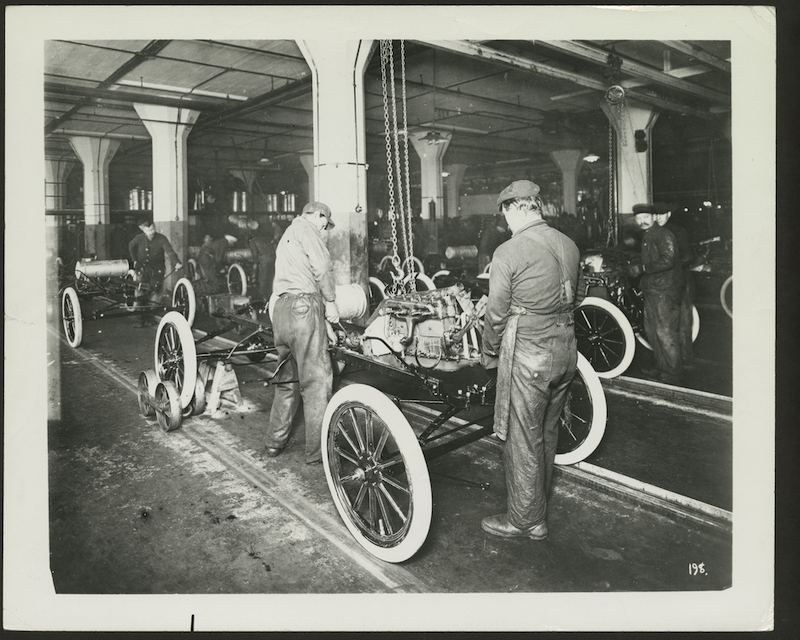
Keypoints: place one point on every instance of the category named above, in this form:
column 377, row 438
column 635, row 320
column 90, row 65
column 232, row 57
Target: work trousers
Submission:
column 662, row 324
column 210, row 271
column 544, row 365
column 150, row 289
column 298, row 323
column 265, row 274
column 686, row 319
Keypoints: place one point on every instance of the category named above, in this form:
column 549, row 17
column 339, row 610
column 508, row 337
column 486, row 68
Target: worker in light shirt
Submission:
column 304, row 297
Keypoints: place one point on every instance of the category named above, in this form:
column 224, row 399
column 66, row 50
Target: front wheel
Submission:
column 72, row 317
column 237, row 280
column 184, row 300
column 176, row 355
column 605, row 337
column 726, row 296
column 376, row 473
column 583, row 421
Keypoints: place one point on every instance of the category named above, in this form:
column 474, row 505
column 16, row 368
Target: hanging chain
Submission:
column 385, row 45
column 611, row 190
column 410, row 266
column 398, row 168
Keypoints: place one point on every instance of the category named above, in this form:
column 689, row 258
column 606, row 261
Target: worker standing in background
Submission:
column 263, row 249
column 304, row 296
column 212, row 257
column 662, row 286
column 529, row 336
column 687, row 256
column 147, row 251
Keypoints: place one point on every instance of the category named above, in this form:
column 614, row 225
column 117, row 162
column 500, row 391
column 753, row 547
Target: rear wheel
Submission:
column 168, row 406
column 583, row 422
column 376, row 473
column 72, row 317
column 605, row 337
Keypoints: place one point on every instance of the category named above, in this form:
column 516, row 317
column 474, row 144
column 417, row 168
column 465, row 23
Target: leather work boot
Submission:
column 273, row 452
column 500, row 526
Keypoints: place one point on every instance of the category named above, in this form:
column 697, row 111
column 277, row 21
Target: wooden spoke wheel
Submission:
column 237, row 280
column 176, row 355
column 583, row 422
column 605, row 337
column 726, row 297
column 376, row 473
column 184, row 300
column 72, row 317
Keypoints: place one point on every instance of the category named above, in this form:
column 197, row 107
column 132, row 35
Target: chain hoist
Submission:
column 385, row 46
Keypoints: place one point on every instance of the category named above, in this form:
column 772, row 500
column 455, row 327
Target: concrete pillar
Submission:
column 169, row 127
column 308, row 164
column 56, row 171
column 453, row 186
column 633, row 171
column 339, row 174
column 95, row 154
column 431, row 154
column 570, row 162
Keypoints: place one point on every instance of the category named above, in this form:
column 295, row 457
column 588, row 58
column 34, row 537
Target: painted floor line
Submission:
column 395, row 578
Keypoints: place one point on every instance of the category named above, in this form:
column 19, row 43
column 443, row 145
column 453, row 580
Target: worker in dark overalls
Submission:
column 147, row 251
column 211, row 258
column 305, row 296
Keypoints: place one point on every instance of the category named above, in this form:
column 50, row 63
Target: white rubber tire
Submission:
column 175, row 355
column 234, row 271
column 185, row 285
column 385, row 415
column 723, row 294
column 440, row 273
column 377, row 286
column 192, row 270
column 599, row 417
column 629, row 339
column 72, row 317
column 695, row 330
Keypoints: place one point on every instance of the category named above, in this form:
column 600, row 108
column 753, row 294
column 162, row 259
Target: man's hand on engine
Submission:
column 331, row 312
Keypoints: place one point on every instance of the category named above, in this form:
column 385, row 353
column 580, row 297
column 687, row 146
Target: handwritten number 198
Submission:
column 697, row 569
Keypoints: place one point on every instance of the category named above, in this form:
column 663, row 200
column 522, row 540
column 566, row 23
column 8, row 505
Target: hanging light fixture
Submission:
column 264, row 159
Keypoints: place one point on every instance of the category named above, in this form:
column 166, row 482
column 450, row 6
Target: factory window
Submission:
column 272, row 202
column 140, row 199
column 239, row 201
column 289, row 202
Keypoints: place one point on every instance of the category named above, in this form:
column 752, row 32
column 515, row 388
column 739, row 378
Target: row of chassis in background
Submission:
column 423, row 346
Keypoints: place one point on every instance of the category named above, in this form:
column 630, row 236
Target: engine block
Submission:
column 442, row 325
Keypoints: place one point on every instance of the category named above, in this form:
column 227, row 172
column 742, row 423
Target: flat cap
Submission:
column 518, row 189
column 663, row 207
column 643, row 208
column 320, row 207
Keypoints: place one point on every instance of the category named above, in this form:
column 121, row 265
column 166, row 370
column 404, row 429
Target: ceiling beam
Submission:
column 518, row 62
column 89, row 95
column 150, row 50
column 599, row 56
column 700, row 54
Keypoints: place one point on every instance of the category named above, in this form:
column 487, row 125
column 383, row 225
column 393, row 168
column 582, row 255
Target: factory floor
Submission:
column 202, row 510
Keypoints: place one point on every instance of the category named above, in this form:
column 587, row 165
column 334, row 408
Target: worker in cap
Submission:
column 529, row 337
column 687, row 257
column 148, row 251
column 211, row 259
column 662, row 285
column 303, row 298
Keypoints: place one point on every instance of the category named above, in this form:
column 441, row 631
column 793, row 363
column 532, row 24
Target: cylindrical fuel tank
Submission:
column 101, row 268
column 465, row 251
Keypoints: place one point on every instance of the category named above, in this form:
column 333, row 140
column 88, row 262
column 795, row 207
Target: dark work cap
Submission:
column 518, row 189
column 320, row 207
column 644, row 208
column 662, row 207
